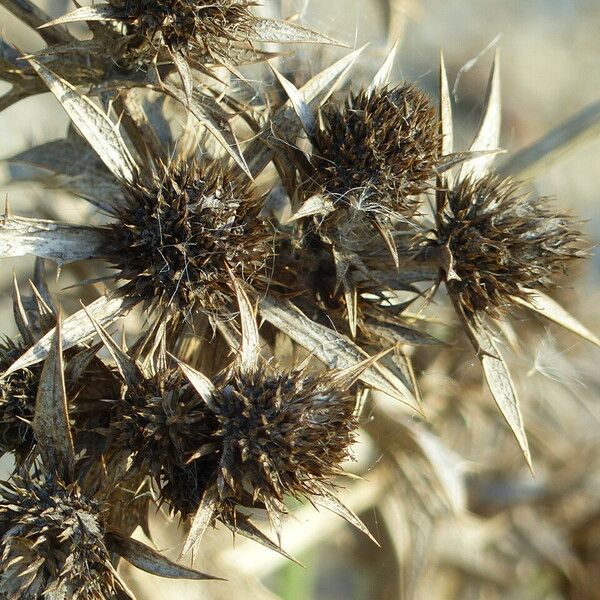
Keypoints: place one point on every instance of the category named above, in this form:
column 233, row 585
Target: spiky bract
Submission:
column 378, row 150
column 500, row 242
column 177, row 239
column 52, row 544
column 206, row 29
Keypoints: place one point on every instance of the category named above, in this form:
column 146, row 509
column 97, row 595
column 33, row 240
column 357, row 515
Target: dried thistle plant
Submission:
column 186, row 231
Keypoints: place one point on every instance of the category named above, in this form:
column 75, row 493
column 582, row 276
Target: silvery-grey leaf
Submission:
column 76, row 328
column 552, row 310
column 129, row 370
column 51, row 418
column 304, row 112
column 488, row 135
column 93, row 124
column 100, row 12
column 331, row 348
column 60, row 242
column 574, row 132
column 145, row 558
column 204, row 109
column 284, row 32
column 401, row 334
column 202, row 519
column 447, row 126
column 202, row 384
column 250, row 346
column 501, row 385
column 330, row 502
column 315, row 205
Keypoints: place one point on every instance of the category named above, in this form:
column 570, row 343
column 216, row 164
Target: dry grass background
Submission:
column 477, row 525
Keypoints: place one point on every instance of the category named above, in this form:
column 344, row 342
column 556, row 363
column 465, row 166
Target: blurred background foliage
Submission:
column 456, row 512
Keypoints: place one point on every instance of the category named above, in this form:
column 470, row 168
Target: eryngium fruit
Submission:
column 501, row 242
column 52, row 544
column 205, row 28
column 178, row 240
column 17, row 402
column 261, row 437
column 378, row 149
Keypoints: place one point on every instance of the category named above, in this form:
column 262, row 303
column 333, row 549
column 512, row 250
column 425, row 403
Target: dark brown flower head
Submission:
column 498, row 242
column 280, row 434
column 378, row 150
column 17, row 402
column 205, row 28
column 261, row 436
column 176, row 240
column 52, row 544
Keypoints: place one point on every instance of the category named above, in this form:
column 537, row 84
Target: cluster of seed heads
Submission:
column 191, row 239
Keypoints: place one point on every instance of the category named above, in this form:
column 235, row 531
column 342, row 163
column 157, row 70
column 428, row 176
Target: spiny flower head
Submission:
column 260, row 437
column 176, row 240
column 378, row 150
column 499, row 242
column 207, row 27
column 52, row 544
column 279, row 434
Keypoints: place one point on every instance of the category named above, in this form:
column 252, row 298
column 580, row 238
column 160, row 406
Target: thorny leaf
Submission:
column 301, row 108
column 216, row 124
column 250, row 346
column 330, row 502
column 127, row 367
column 488, row 135
column 574, row 132
column 284, row 32
column 331, row 348
column 59, row 242
column 202, row 384
column 147, row 559
column 382, row 77
column 552, row 310
column 102, row 12
column 97, row 128
column 77, row 169
column 501, row 385
column 51, row 420
column 202, row 519
column 76, row 328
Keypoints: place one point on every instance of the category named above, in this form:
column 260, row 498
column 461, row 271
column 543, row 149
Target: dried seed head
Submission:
column 501, row 241
column 378, row 150
column 17, row 402
column 261, row 437
column 176, row 240
column 52, row 544
column 205, row 28
column 280, row 434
